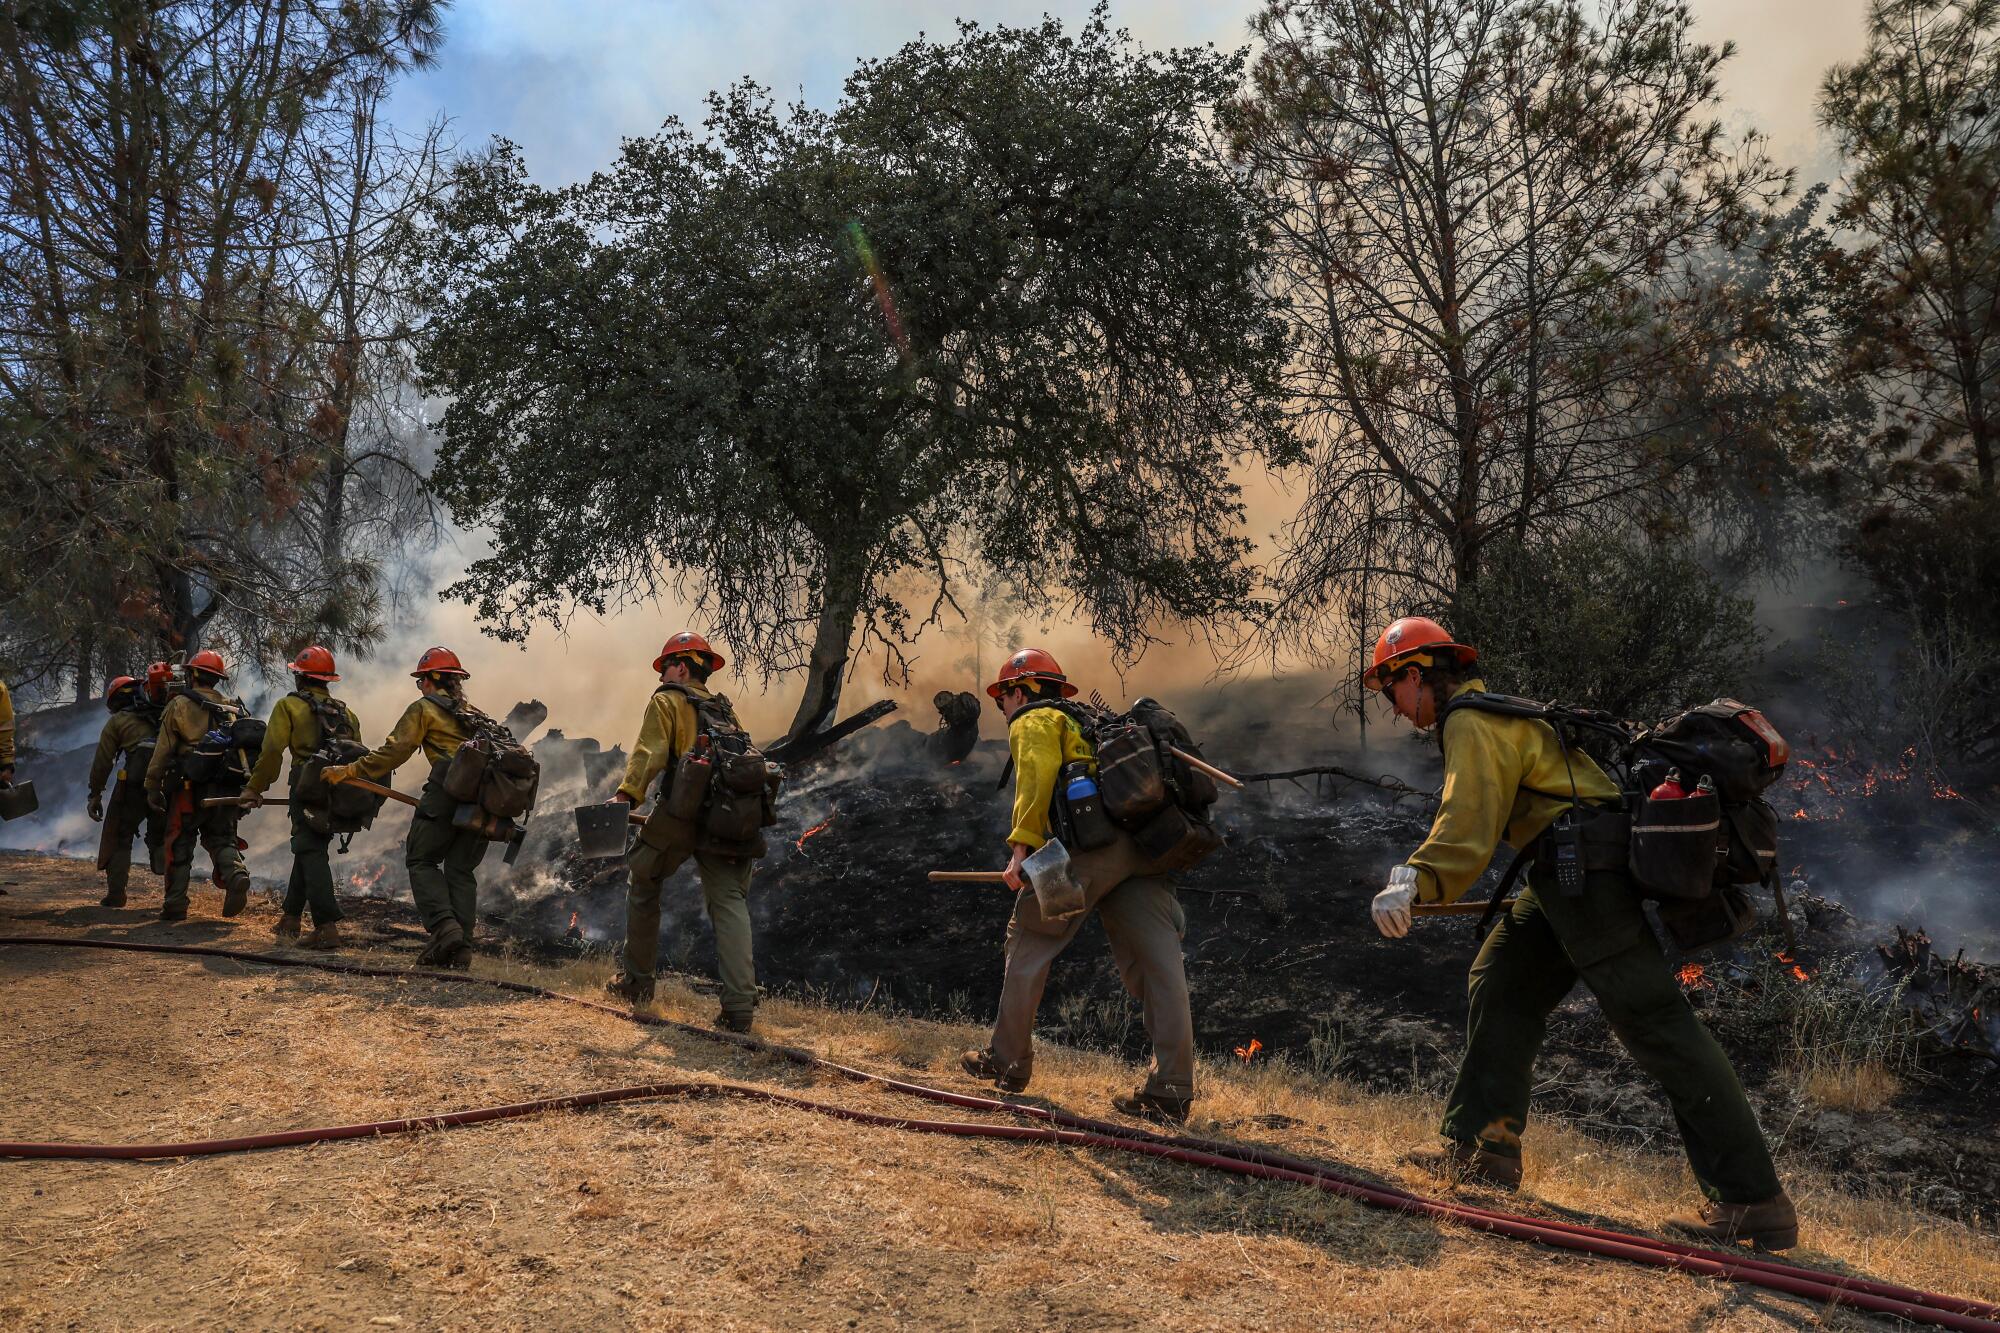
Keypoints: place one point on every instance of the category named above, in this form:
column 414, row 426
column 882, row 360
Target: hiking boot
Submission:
column 113, row 898
column 633, row 990
column 323, row 937
column 446, row 940
column 461, row 957
column 235, row 898
column 1468, row 1163
column 980, row 1065
column 1770, row 1225
column 287, row 929
column 173, row 913
column 1153, row 1106
column 729, row 1022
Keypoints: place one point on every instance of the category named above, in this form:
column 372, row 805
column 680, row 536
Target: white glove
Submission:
column 1391, row 908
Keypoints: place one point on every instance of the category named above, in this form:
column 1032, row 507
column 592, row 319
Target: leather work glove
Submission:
column 335, row 774
column 156, row 799
column 95, row 808
column 1391, row 908
column 1012, row 874
column 251, row 800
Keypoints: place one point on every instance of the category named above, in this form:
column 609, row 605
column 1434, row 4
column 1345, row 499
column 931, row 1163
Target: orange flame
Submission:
column 818, row 828
column 572, row 920
column 369, row 881
column 1249, row 1053
column 1694, row 976
column 1799, row 972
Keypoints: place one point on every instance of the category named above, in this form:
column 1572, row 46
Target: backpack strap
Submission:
column 1084, row 722
column 1520, row 863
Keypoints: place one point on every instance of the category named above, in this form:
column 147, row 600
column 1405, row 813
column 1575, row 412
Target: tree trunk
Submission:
column 840, row 599
column 86, row 654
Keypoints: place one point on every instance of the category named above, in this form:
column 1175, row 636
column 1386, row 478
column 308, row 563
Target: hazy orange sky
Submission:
column 567, row 81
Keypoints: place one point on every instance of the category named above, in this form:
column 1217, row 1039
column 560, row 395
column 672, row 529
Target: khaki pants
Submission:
column 1143, row 920
column 215, row 829
column 125, row 814
column 725, row 889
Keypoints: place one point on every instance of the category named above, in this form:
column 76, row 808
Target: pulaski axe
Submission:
column 1049, row 873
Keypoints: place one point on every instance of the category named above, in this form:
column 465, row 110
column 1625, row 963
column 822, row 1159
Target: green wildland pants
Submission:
column 441, row 860
column 125, row 814
column 311, row 885
column 1536, row 953
column 215, row 830
column 725, row 889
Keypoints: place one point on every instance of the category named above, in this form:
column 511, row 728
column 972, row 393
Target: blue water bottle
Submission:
column 1087, row 820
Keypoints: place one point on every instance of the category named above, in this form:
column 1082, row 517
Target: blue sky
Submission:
column 567, row 80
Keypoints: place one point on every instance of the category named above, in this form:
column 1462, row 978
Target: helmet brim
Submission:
column 714, row 661
column 1000, row 687
column 1372, row 678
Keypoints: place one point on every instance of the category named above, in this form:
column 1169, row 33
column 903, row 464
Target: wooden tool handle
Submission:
column 381, row 790
column 210, row 801
column 968, row 877
column 1453, row 909
column 1202, row 766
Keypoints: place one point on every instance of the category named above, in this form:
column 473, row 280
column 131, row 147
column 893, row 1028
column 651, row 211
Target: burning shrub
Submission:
column 1844, row 1044
column 1606, row 620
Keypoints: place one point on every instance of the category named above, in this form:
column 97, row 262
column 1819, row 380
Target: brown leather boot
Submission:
column 324, row 937
column 729, row 1022
column 980, row 1065
column 1153, row 1106
column 446, row 942
column 236, row 896
column 1460, row 1163
column 287, row 929
column 1772, row 1224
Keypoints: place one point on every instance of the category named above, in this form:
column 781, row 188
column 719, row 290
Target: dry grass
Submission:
column 1859, row 1086
column 724, row 1214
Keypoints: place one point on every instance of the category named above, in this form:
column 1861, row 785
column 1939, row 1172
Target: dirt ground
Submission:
column 725, row 1214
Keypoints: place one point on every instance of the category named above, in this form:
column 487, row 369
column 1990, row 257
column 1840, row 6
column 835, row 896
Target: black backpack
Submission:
column 1146, row 788
column 332, row 809
column 721, row 795
column 219, row 762
column 491, row 770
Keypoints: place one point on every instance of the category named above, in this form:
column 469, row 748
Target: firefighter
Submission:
column 682, row 714
column 299, row 723
column 6, row 735
column 1507, row 779
column 1141, row 913
column 190, row 763
column 442, row 859
column 126, row 745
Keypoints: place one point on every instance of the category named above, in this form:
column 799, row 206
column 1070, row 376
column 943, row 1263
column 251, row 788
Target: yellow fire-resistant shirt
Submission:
column 1041, row 741
column 124, row 732
column 184, row 723
column 424, row 725
column 295, row 730
column 1495, row 771
column 666, row 732
column 6, row 727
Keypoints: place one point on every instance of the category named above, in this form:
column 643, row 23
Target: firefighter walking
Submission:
column 300, row 723
column 125, row 746
column 1508, row 779
column 1141, row 912
column 682, row 716
column 442, row 858
column 195, row 758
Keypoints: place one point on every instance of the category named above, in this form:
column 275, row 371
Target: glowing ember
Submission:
column 361, row 883
column 1799, row 972
column 572, row 920
column 814, row 831
column 1249, row 1053
column 1693, row 976
column 1836, row 777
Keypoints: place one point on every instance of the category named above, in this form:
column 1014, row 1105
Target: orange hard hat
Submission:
column 208, row 660
column 315, row 663
column 1408, row 636
column 1030, row 664
column 439, row 662
column 687, row 642
column 158, row 675
column 118, row 684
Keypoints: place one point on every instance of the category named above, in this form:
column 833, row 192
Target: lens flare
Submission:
column 880, row 281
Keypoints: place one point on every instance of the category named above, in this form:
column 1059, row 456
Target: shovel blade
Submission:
column 1049, row 873
column 601, row 830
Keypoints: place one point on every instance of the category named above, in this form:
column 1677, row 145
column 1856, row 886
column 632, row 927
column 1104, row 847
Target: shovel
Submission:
column 17, row 799
column 1049, row 873
column 602, row 830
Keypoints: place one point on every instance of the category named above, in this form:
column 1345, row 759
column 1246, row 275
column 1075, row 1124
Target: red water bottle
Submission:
column 1671, row 789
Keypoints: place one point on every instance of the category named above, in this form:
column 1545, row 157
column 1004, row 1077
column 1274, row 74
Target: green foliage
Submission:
column 994, row 303
column 1607, row 621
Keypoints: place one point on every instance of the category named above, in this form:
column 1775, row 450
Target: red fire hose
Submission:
column 1077, row 1131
